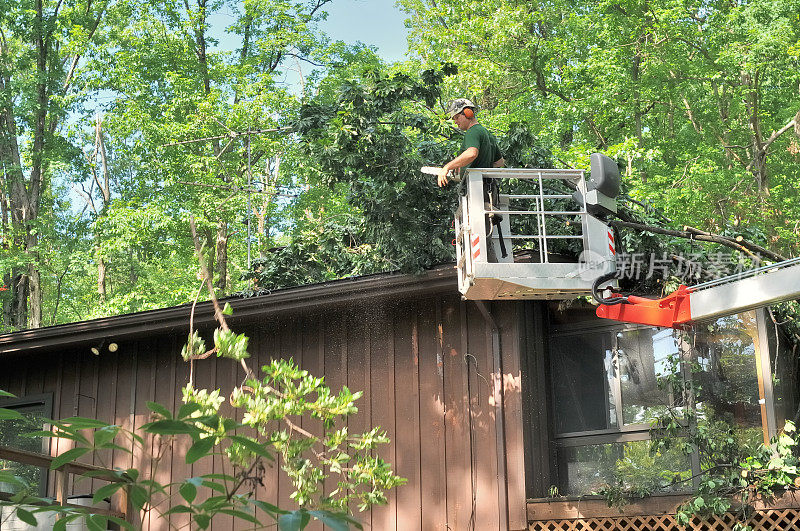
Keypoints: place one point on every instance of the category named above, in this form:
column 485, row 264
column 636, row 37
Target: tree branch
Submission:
column 77, row 57
column 774, row 136
column 696, row 234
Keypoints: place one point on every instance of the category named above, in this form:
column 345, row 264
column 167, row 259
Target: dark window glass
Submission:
column 12, row 435
column 588, row 468
column 609, row 383
column 642, row 360
column 580, row 386
column 726, row 378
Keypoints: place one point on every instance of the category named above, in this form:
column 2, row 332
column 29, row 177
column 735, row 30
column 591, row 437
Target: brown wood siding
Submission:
column 536, row 403
column 428, row 374
column 512, row 396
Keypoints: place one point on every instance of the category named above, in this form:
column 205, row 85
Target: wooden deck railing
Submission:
column 657, row 513
column 119, row 502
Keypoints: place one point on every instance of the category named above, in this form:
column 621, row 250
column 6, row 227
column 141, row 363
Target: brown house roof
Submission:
column 297, row 299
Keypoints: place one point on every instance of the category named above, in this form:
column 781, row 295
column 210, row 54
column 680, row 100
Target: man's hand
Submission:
column 442, row 178
column 461, row 161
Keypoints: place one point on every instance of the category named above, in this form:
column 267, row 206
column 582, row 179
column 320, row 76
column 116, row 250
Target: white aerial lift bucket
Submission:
column 541, row 275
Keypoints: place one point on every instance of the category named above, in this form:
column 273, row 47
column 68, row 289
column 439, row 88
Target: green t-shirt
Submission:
column 479, row 137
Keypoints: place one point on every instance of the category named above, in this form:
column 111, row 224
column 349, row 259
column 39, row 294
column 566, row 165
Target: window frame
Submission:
column 612, row 328
column 45, row 400
column 641, row 431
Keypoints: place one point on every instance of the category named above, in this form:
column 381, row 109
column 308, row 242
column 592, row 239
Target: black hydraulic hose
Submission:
column 596, row 290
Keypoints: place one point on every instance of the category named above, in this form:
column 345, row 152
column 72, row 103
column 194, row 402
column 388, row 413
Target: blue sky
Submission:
column 374, row 22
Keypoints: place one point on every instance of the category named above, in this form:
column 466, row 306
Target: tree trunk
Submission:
column 221, row 265
column 34, row 293
column 101, row 276
column 105, row 190
column 637, row 112
column 18, row 312
column 758, row 165
column 261, row 229
column 6, row 281
column 32, row 198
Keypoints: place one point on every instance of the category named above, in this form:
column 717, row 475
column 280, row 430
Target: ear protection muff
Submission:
column 469, row 113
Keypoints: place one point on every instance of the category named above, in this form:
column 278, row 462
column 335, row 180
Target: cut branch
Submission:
column 741, row 246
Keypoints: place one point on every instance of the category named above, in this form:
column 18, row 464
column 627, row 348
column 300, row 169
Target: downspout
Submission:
column 499, row 419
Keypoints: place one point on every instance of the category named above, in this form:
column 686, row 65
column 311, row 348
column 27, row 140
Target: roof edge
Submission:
column 307, row 297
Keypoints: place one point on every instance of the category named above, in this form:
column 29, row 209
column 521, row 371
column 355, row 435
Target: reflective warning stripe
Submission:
column 611, row 243
column 476, row 249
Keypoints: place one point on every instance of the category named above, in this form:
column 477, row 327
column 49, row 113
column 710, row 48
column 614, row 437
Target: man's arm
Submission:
column 499, row 163
column 469, row 154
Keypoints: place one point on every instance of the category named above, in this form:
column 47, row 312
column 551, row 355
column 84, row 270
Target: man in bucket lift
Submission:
column 479, row 149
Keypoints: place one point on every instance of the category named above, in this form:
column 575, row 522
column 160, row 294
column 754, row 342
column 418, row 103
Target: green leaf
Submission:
column 187, row 409
column 7, row 394
column 61, row 524
column 105, row 435
column 68, row 457
column 227, row 310
column 200, row 449
column 268, row 508
column 26, row 516
column 336, row 521
column 170, row 427
column 122, row 523
column 188, row 492
column 106, row 491
column 213, row 485
column 212, row 421
column 97, row 522
column 9, row 477
column 214, row 503
column 155, row 407
column 294, row 520
column 230, row 424
column 202, row 520
column 137, row 438
column 178, row 509
column 10, row 414
column 254, row 446
column 40, row 433
column 81, row 423
column 241, row 515
column 138, row 496
column 699, row 502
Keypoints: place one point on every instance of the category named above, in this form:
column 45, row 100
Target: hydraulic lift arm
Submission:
column 736, row 293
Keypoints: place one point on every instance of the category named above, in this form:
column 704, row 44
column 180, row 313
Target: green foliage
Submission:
column 230, row 345
column 735, row 468
column 326, row 242
column 267, row 405
column 372, row 133
column 193, row 347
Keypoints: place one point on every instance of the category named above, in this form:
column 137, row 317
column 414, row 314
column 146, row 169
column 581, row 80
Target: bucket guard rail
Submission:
column 483, row 231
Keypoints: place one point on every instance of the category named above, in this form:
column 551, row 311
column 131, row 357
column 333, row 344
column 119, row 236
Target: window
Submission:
column 608, row 382
column 35, row 410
